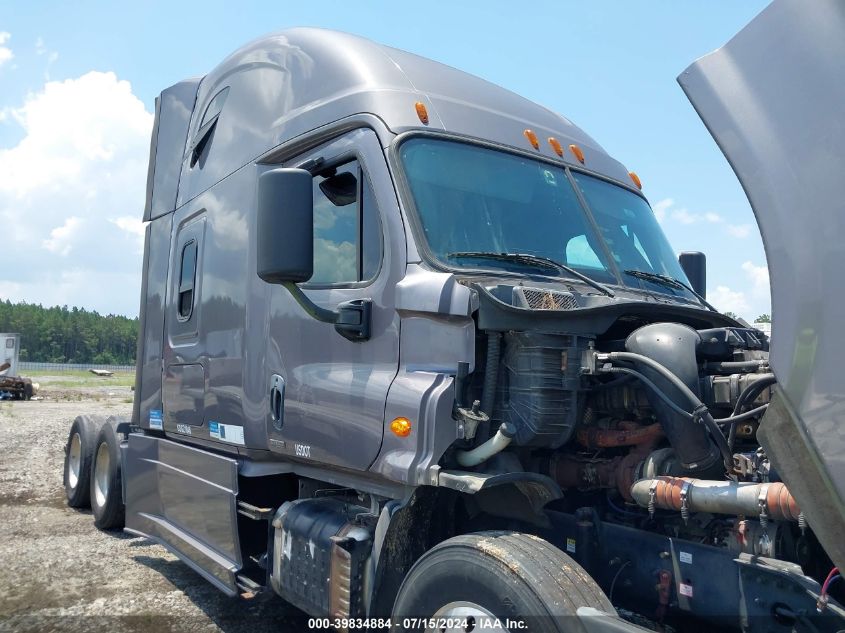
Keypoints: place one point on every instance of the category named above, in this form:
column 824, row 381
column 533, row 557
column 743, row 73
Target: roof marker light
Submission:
column 578, row 152
column 556, row 146
column 532, row 138
column 401, row 427
column 421, row 112
column 635, row 179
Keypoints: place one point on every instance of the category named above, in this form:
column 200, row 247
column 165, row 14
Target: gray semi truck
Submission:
column 415, row 353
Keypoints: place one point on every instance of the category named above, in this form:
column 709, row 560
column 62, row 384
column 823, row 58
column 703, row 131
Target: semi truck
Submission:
column 415, row 353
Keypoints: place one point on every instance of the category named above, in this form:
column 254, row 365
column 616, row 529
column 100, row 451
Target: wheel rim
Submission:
column 101, row 475
column 74, row 460
column 464, row 617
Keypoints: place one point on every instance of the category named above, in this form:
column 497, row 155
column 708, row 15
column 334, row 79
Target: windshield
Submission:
column 474, row 201
column 631, row 232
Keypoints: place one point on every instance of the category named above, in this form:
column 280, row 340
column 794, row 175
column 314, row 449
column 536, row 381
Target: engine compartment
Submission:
column 651, row 422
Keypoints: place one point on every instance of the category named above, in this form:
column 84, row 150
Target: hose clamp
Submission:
column 698, row 413
column 763, row 505
column 652, row 494
column 685, row 488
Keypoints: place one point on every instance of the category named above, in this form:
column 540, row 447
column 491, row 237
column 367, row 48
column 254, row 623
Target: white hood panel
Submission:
column 774, row 100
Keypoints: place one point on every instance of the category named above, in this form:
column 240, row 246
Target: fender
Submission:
column 399, row 541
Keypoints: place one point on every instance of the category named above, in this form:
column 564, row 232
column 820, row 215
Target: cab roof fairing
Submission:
column 289, row 83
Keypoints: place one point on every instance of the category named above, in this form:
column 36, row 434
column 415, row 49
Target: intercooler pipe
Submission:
column 495, row 444
column 766, row 501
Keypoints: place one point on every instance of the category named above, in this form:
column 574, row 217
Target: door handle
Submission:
column 277, row 401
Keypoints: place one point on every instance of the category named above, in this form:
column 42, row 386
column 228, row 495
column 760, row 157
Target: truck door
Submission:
column 334, row 390
column 184, row 374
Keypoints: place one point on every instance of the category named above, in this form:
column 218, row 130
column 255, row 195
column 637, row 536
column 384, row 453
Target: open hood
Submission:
column 774, row 100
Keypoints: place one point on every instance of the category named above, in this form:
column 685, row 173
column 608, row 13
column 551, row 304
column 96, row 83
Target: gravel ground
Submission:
column 59, row 573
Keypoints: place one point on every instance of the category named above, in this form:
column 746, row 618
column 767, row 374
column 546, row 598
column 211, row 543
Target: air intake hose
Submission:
column 674, row 346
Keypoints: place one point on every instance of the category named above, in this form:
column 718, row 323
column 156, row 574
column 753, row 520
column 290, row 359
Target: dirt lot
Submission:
column 62, row 574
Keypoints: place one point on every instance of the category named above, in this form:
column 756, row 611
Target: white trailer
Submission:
column 10, row 348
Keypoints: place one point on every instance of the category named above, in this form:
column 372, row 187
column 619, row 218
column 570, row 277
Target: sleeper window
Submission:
column 347, row 234
column 187, row 277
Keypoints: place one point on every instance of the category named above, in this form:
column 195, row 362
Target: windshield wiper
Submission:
column 666, row 280
column 533, row 260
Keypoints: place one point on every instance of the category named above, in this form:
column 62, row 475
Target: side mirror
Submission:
column 694, row 265
column 285, row 248
column 285, row 226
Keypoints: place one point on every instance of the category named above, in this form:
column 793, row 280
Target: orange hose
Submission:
column 612, row 438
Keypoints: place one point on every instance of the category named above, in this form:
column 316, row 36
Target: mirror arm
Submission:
column 313, row 310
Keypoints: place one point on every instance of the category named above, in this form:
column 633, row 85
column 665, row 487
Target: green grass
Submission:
column 79, row 378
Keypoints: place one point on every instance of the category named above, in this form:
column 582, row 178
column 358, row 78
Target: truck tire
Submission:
column 106, row 490
column 79, row 452
column 497, row 575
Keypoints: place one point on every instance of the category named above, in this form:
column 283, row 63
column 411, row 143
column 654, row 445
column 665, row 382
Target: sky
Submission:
column 78, row 83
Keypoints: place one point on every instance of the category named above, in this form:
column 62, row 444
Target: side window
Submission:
column 207, row 125
column 347, row 233
column 187, row 278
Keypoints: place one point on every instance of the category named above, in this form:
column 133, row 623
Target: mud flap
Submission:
column 185, row 499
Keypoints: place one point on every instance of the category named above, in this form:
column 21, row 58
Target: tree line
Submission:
column 70, row 335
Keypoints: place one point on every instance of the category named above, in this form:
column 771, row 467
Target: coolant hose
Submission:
column 495, row 444
column 732, row 366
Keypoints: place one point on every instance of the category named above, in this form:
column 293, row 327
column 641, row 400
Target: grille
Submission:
column 542, row 299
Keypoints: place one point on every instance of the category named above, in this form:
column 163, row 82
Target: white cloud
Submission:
column 666, row 209
column 759, row 277
column 738, row 230
column 684, row 217
column 62, row 237
column 5, row 52
column 72, row 194
column 727, row 300
column 748, row 303
column 132, row 225
column 661, row 207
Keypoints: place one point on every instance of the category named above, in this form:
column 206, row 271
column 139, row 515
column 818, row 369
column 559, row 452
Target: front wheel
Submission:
column 496, row 581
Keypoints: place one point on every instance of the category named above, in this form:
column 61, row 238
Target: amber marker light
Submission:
column 401, row 427
column 532, row 138
column 578, row 152
column 421, row 112
column 635, row 179
column 556, row 146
